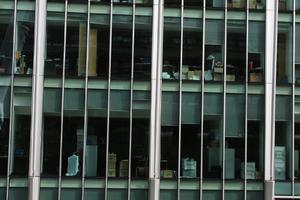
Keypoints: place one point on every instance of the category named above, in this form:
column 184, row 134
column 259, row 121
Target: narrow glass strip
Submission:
column 62, row 101
column 108, row 101
column 202, row 100
column 180, row 101
column 293, row 95
column 246, row 102
column 85, row 101
column 11, row 107
column 131, row 102
column 224, row 101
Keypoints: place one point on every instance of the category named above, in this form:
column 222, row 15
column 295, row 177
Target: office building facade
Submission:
column 149, row 99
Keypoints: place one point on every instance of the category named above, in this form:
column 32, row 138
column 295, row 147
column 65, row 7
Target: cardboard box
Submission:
column 167, row 173
column 112, row 160
column 252, row 4
column 111, row 173
column 250, row 170
column 218, row 69
column 218, row 77
column 280, row 158
column 238, row 3
column 230, row 77
column 123, row 168
column 190, row 75
column 197, row 75
column 255, row 77
column 189, row 168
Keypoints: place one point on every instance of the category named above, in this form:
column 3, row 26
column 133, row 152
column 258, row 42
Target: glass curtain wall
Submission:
column 286, row 150
column 16, row 62
column 212, row 98
column 97, row 100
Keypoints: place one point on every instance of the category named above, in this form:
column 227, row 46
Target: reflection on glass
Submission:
column 121, row 46
column 284, row 54
column 192, row 49
column 76, row 44
column 51, row 133
column 235, row 137
column 21, row 135
column 190, row 135
column 55, row 44
column 6, row 41
column 283, row 138
column 142, row 48
column 255, row 137
column 256, row 52
column 4, row 127
column 99, row 45
column 236, row 51
column 25, row 42
column 96, row 133
column 73, row 132
column 213, row 136
column 169, row 135
column 119, row 134
column 214, row 50
column 140, row 134
column 171, row 51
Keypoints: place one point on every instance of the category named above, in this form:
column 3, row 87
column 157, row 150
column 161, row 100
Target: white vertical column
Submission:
column 270, row 95
column 37, row 100
column 156, row 70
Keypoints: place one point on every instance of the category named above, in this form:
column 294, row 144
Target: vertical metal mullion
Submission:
column 108, row 100
column 131, row 100
column 202, row 100
column 180, row 100
column 274, row 93
column 85, row 99
column 293, row 96
column 11, row 107
column 246, row 101
column 62, row 101
column 224, row 102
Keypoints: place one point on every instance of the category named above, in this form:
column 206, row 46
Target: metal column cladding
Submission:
column 156, row 70
column 270, row 94
column 37, row 100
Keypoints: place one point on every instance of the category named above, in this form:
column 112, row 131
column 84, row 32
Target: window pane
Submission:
column 4, row 127
column 55, row 44
column 214, row 50
column 22, row 123
column 25, row 42
column 256, row 51
column 140, row 134
column 142, row 48
column 51, row 137
column 192, row 50
column 121, row 46
column 99, row 45
column 6, row 41
column 284, row 54
column 76, row 44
